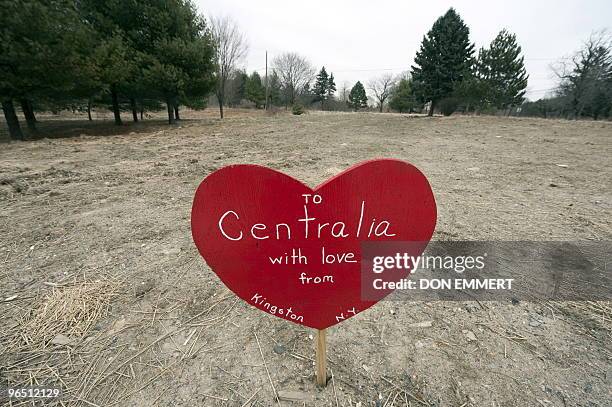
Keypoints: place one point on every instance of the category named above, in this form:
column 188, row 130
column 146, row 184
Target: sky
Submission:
column 363, row 39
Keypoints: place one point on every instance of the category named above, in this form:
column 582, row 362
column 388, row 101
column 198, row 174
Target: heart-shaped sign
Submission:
column 294, row 251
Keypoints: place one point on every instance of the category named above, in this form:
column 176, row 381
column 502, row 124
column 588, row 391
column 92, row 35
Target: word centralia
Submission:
column 309, row 227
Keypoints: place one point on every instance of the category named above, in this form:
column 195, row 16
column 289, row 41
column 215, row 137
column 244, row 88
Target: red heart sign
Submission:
column 294, row 251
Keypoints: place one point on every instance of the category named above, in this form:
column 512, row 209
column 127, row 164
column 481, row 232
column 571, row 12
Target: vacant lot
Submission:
column 103, row 292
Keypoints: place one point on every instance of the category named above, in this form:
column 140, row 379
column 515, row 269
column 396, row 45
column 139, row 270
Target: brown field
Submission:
column 103, row 292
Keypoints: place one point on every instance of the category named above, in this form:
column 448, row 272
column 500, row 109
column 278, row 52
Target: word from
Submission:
column 304, row 279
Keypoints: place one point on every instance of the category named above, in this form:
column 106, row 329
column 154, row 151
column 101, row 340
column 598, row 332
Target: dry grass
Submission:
column 69, row 312
column 44, row 346
column 119, row 205
column 594, row 314
column 60, row 343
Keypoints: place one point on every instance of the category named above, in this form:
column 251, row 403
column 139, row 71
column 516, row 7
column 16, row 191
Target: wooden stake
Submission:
column 321, row 358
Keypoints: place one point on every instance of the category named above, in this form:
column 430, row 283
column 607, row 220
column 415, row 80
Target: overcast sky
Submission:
column 362, row 39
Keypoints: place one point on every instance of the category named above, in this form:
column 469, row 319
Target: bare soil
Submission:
column 103, row 292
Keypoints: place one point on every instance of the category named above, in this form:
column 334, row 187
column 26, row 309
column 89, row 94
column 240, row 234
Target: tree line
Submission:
column 145, row 55
column 447, row 75
column 129, row 56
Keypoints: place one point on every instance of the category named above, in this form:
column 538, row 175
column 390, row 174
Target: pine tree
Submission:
column 473, row 92
column 274, row 90
column 502, row 69
column 116, row 67
column 255, row 91
column 168, row 41
column 236, row 91
column 331, row 87
column 306, row 95
column 443, row 60
column 402, row 98
column 321, row 85
column 182, row 70
column 41, row 55
column 357, row 97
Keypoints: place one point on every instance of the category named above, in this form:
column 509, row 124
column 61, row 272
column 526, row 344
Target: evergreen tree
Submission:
column 321, row 86
column 255, row 91
column 473, row 92
column 183, row 69
column 443, row 60
column 274, row 90
column 307, row 95
column 600, row 104
column 331, row 87
column 402, row 98
column 502, row 70
column 42, row 46
column 115, row 68
column 115, row 55
column 62, row 53
column 236, row 89
column 357, row 97
column 167, row 40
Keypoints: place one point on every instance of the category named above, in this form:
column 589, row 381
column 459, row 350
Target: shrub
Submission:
column 297, row 109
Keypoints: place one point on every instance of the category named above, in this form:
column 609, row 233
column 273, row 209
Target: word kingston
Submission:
column 287, row 313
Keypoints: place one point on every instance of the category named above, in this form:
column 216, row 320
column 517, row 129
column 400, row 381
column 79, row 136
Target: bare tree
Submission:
column 344, row 91
column 382, row 88
column 231, row 47
column 294, row 72
column 586, row 76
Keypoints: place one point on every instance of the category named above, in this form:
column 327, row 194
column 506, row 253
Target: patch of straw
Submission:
column 70, row 311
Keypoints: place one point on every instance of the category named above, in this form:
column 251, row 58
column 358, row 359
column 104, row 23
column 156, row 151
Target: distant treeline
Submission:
column 446, row 76
column 134, row 56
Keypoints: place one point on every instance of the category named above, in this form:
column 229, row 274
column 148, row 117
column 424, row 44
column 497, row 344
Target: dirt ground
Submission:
column 103, row 292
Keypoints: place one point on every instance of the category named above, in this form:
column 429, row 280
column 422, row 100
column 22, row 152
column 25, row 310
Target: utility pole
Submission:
column 266, row 79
